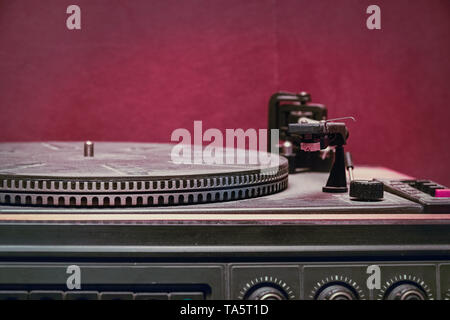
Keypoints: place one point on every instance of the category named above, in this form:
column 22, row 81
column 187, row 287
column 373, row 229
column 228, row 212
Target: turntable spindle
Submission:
column 88, row 149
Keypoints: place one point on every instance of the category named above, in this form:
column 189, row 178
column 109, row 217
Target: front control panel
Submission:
column 434, row 198
column 412, row 280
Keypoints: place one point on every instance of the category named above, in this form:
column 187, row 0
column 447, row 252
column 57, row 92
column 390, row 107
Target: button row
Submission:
column 426, row 186
column 95, row 295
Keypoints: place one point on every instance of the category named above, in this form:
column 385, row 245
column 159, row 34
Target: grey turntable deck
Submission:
column 143, row 171
column 303, row 195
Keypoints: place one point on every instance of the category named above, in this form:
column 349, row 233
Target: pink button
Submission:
column 442, row 193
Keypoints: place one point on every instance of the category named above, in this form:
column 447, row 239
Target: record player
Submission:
column 138, row 226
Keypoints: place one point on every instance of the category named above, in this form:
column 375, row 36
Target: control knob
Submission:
column 336, row 292
column 406, row 291
column 267, row 293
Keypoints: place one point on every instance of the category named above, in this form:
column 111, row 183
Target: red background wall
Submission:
column 139, row 69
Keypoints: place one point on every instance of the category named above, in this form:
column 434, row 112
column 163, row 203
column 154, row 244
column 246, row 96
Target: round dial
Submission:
column 266, row 288
column 406, row 291
column 266, row 293
column 337, row 287
column 405, row 287
column 336, row 292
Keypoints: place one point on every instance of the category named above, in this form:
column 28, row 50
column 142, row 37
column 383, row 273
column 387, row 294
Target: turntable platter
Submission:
column 125, row 174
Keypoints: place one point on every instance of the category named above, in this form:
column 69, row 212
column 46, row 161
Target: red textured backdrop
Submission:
column 139, row 69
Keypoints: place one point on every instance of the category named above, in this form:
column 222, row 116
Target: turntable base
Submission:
column 300, row 238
